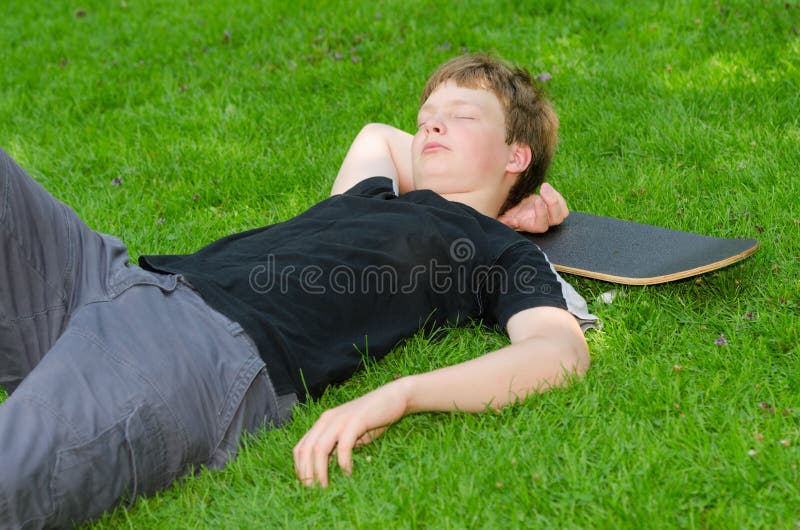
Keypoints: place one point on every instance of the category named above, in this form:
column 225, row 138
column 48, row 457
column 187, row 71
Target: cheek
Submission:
column 488, row 137
column 489, row 152
column 416, row 144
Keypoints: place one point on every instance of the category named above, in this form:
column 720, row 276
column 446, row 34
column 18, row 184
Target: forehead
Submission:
column 448, row 94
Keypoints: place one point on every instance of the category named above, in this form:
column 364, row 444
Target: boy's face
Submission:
column 460, row 144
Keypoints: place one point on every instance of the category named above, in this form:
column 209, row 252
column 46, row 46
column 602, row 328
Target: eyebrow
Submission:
column 451, row 103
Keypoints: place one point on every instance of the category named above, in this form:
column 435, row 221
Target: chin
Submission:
column 440, row 184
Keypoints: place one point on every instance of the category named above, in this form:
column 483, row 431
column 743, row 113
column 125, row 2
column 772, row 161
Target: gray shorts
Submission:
column 120, row 380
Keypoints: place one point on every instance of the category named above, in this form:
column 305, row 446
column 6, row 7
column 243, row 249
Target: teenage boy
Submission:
column 123, row 378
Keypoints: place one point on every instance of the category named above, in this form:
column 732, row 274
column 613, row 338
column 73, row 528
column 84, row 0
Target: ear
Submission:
column 519, row 159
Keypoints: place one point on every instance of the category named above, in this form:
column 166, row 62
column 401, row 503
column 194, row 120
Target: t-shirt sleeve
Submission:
column 374, row 187
column 521, row 278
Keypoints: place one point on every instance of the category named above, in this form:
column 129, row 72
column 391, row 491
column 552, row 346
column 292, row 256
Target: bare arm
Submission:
column 383, row 150
column 546, row 345
column 378, row 150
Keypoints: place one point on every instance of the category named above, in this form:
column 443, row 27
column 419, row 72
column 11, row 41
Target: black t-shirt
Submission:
column 359, row 272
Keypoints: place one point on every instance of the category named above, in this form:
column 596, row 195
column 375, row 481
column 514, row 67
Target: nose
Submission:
column 435, row 124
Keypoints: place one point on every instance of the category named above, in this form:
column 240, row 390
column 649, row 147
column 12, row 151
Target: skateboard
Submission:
column 632, row 253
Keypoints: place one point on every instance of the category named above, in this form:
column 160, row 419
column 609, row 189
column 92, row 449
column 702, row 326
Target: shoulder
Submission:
column 373, row 186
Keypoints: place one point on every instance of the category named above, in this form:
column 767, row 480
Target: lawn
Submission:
column 173, row 123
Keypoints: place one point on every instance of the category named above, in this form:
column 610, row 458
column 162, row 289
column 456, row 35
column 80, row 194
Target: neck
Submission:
column 487, row 199
column 486, row 203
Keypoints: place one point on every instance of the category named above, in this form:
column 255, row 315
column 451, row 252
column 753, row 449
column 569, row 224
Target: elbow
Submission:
column 574, row 362
column 567, row 363
column 374, row 130
column 580, row 360
column 575, row 359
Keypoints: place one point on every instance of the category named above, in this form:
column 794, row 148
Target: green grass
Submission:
column 221, row 116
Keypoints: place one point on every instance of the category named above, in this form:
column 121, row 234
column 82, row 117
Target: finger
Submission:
column 307, row 450
column 509, row 219
column 556, row 205
column 304, row 469
column 540, row 222
column 521, row 215
column 511, row 223
column 364, row 440
column 344, row 451
column 319, row 468
column 321, row 452
column 300, row 455
column 304, row 466
column 370, row 436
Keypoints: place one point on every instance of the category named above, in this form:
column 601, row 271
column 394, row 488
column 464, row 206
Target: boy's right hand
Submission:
column 537, row 213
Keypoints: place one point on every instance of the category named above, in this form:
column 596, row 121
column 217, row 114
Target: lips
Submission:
column 432, row 147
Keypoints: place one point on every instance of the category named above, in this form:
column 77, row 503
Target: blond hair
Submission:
column 529, row 115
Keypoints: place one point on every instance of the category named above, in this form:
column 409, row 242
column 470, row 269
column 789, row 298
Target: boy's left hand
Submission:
column 537, row 213
column 339, row 430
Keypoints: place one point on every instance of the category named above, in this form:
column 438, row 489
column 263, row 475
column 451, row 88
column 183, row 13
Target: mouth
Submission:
column 432, row 147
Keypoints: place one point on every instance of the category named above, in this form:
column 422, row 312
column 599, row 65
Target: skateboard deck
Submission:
column 632, row 253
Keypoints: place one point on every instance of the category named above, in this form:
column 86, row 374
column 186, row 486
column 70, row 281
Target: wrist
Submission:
column 403, row 390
